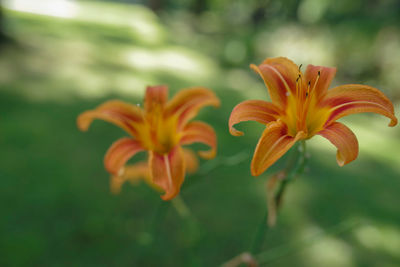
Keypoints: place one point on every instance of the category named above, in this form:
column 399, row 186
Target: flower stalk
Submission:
column 295, row 167
column 180, row 206
column 296, row 171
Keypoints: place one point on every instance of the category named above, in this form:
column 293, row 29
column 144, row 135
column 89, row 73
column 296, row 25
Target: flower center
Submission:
column 160, row 134
column 303, row 112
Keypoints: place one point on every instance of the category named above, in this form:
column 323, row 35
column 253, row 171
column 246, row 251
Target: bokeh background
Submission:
column 59, row 58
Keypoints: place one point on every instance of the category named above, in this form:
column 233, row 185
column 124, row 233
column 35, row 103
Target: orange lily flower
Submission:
column 302, row 106
column 161, row 128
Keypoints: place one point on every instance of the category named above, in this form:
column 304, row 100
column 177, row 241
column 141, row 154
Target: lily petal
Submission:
column 273, row 143
column 252, row 110
column 356, row 98
column 326, row 76
column 117, row 112
column 191, row 161
column 168, row 171
column 201, row 132
column 345, row 141
column 119, row 153
column 156, row 96
column 133, row 173
column 187, row 103
column 279, row 75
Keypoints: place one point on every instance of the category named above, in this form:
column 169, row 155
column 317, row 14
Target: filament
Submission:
column 316, row 80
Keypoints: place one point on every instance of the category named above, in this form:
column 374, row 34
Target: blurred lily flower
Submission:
column 161, row 128
column 301, row 107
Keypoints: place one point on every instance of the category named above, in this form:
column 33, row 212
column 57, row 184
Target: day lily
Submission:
column 161, row 128
column 302, row 106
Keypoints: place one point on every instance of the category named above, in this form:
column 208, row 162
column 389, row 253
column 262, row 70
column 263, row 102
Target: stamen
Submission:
column 297, row 85
column 300, row 67
column 301, row 79
column 308, row 88
column 316, row 80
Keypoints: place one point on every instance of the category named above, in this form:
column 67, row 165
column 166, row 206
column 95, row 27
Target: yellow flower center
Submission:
column 159, row 133
column 303, row 112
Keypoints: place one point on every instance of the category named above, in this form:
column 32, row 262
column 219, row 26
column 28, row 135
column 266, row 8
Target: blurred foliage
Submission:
column 70, row 56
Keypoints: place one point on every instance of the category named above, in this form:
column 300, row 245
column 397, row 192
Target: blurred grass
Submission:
column 55, row 201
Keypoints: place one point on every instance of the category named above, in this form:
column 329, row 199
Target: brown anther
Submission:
column 309, row 83
column 319, row 73
column 300, row 67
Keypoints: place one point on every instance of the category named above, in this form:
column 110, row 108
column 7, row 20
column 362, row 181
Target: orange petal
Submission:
column 201, row 132
column 116, row 183
column 168, row 171
column 325, row 78
column 273, row 143
column 191, row 161
column 187, row 103
column 279, row 75
column 117, row 112
column 133, row 173
column 345, row 141
column 156, row 96
column 119, row 153
column 252, row 110
column 356, row 98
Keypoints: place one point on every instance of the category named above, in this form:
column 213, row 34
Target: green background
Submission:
column 63, row 58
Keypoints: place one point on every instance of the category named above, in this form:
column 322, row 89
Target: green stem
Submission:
column 260, row 235
column 158, row 217
column 181, row 207
column 293, row 169
column 297, row 170
column 301, row 163
column 190, row 225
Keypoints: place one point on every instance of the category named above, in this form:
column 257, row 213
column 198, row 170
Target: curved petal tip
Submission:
column 210, row 154
column 84, row 120
column 339, row 160
column 393, row 122
column 345, row 141
column 235, row 132
column 255, row 68
column 252, row 110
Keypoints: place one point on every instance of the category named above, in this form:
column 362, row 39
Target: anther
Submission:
column 308, row 88
column 319, row 73
column 300, row 67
